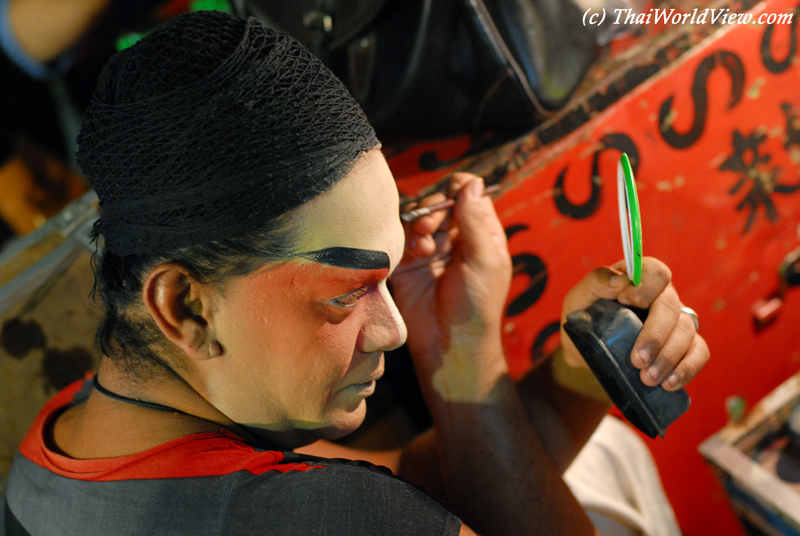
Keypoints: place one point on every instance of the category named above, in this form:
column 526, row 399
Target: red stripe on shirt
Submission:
column 204, row 454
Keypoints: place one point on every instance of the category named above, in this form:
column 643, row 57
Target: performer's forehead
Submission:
column 355, row 224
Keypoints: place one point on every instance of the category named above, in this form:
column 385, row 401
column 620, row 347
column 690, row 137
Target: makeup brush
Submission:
column 412, row 215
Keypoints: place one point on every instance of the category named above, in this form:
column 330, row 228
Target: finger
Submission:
column 600, row 283
column 419, row 242
column 677, row 343
column 620, row 266
column 420, row 246
column 470, row 216
column 493, row 223
column 691, row 364
column 432, row 222
column 423, row 250
column 655, row 278
column 662, row 320
column 596, row 285
column 458, row 180
column 496, row 230
column 417, row 245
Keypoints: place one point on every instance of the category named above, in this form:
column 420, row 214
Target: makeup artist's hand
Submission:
column 452, row 285
column 485, row 446
column 668, row 351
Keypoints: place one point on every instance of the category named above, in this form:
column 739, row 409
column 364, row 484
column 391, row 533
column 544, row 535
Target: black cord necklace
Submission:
column 249, row 436
column 151, row 405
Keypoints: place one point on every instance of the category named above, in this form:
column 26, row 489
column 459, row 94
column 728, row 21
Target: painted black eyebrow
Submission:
column 352, row 258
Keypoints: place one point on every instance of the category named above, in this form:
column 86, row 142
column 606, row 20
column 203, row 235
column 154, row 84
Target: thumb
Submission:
column 470, row 217
column 600, row 283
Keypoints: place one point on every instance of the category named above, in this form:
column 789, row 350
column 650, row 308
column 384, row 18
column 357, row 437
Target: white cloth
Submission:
column 616, row 481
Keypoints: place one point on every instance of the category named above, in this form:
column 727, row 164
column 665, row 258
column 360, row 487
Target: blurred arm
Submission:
column 44, row 29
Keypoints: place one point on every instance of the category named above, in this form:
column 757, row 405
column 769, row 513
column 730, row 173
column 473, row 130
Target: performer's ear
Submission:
column 180, row 307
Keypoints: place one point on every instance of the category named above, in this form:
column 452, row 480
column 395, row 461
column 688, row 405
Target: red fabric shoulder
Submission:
column 204, row 454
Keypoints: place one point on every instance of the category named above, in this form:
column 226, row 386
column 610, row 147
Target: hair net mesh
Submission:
column 210, row 127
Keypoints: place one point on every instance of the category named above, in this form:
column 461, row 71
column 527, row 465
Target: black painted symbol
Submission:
column 792, row 126
column 430, row 160
column 617, row 141
column 751, row 164
column 531, row 266
column 576, row 210
column 721, row 58
column 779, row 66
column 538, row 349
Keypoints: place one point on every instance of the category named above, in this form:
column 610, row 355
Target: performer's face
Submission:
column 304, row 339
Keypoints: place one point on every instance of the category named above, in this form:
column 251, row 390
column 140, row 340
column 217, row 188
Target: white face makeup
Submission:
column 304, row 341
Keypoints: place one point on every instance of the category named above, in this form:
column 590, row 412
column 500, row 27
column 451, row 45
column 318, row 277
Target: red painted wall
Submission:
column 715, row 141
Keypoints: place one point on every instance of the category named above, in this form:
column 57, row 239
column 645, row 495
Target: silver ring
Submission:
column 693, row 315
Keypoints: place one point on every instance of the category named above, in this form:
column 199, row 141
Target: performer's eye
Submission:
column 348, row 301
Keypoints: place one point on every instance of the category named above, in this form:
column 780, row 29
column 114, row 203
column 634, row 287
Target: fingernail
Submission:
column 476, row 188
column 644, row 356
column 672, row 381
column 623, row 300
column 654, row 373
